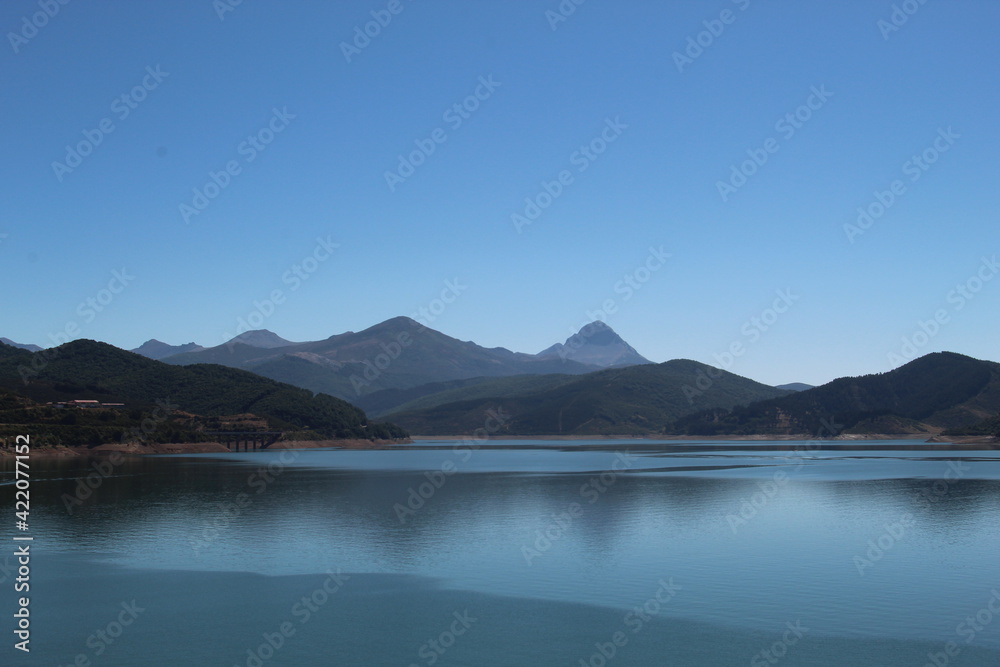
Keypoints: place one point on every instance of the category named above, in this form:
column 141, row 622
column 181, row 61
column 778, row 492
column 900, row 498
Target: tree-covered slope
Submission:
column 632, row 400
column 938, row 391
column 85, row 369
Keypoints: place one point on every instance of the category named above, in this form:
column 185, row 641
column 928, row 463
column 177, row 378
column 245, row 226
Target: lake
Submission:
column 520, row 552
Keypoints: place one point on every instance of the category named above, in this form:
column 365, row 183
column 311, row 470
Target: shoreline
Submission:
column 184, row 448
column 799, row 437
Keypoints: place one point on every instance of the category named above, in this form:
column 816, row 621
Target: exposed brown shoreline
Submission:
column 801, row 437
column 976, row 442
column 193, row 448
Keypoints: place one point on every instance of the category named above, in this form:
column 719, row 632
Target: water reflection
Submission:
column 500, row 529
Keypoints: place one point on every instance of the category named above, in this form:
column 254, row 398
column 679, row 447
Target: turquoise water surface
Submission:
column 518, row 553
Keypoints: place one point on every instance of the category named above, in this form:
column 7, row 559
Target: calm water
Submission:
column 616, row 552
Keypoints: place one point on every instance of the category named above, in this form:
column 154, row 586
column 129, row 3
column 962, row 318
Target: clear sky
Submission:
column 115, row 113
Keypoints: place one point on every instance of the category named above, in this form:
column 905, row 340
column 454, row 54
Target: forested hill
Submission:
column 938, row 391
column 636, row 400
column 85, row 369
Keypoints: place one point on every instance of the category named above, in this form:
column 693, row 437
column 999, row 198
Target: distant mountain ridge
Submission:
column 795, row 386
column 394, row 359
column 260, row 338
column 398, row 354
column 154, row 349
column 22, row 346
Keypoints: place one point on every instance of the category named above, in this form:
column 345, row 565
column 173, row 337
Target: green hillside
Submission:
column 939, row 391
column 85, row 369
column 384, row 401
column 987, row 427
column 632, row 400
column 49, row 426
column 440, row 393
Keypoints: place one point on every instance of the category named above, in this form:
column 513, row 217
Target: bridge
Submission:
column 247, row 440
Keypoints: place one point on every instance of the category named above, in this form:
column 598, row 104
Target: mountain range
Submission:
column 401, row 354
column 939, row 393
column 594, row 383
column 23, row 346
column 188, row 400
column 395, row 361
column 154, row 349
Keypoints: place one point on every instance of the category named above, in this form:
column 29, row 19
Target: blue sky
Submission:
column 201, row 84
